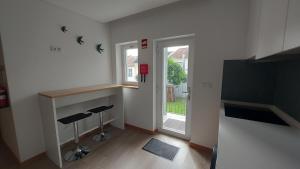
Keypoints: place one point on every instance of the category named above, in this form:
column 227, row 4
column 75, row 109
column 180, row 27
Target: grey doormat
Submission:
column 161, row 149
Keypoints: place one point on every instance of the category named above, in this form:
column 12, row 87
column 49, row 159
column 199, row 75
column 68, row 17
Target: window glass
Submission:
column 131, row 65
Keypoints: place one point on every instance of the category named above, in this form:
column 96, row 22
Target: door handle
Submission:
column 188, row 92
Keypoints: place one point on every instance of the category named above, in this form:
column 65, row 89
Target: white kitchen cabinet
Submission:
column 253, row 29
column 292, row 39
column 272, row 27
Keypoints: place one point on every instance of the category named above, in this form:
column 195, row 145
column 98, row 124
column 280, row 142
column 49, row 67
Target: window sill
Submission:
column 130, row 86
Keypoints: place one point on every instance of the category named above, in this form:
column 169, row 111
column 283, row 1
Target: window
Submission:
column 130, row 62
column 130, row 72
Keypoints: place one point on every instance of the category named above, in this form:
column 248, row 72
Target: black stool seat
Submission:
column 100, row 109
column 73, row 118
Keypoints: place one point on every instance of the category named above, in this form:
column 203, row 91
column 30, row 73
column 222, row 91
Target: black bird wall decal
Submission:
column 80, row 40
column 99, row 48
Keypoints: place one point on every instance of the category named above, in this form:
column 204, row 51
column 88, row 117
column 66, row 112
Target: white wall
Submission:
column 7, row 130
column 220, row 29
column 28, row 28
column 7, row 125
column 3, row 80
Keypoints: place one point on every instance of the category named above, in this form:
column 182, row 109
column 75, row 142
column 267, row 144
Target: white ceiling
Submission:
column 109, row 10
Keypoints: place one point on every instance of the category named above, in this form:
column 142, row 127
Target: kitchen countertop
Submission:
column 80, row 90
column 245, row 144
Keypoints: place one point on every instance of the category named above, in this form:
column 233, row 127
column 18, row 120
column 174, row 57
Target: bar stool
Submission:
column 80, row 150
column 100, row 110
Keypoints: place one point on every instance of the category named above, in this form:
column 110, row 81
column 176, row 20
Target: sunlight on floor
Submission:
column 174, row 122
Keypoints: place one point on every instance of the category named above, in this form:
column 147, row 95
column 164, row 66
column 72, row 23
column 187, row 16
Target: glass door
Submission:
column 175, row 86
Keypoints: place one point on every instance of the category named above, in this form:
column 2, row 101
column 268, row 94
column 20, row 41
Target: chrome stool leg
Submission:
column 102, row 136
column 80, row 150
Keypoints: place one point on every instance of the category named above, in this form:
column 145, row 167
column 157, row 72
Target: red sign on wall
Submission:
column 144, row 43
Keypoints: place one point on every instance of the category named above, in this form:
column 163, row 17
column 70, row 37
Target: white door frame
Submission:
column 160, row 81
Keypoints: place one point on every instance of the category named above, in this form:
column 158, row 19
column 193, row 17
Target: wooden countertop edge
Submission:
column 131, row 86
column 80, row 90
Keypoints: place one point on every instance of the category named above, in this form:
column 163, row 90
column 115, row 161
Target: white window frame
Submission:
column 124, row 63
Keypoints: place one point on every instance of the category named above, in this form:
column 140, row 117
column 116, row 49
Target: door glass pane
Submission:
column 176, row 76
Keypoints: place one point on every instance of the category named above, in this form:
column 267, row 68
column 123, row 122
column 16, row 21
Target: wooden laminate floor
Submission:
column 122, row 151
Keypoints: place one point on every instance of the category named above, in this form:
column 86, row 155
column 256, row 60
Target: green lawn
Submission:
column 177, row 107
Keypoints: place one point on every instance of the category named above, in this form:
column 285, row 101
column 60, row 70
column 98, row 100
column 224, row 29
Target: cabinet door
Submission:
column 272, row 27
column 292, row 39
column 254, row 19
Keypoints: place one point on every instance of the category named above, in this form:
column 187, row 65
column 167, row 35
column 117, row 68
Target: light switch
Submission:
column 55, row 48
column 207, row 85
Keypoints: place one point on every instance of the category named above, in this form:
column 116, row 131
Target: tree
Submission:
column 176, row 74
